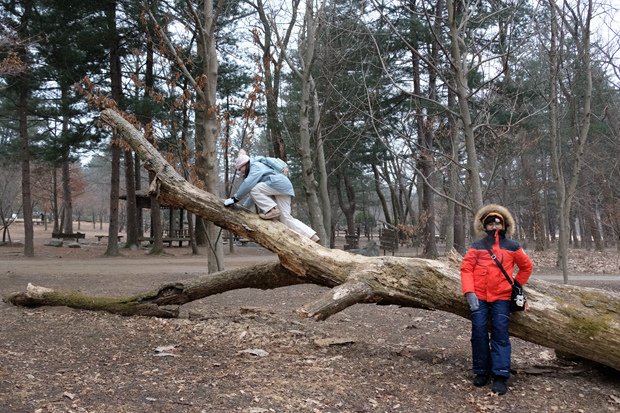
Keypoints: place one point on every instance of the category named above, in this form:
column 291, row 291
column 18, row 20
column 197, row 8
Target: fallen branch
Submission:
column 164, row 301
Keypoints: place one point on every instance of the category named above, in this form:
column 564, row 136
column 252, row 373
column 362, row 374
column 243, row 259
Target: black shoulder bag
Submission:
column 518, row 298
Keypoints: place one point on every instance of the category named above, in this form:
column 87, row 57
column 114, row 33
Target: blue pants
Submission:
column 491, row 355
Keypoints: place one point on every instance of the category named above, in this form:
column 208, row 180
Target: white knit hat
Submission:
column 242, row 159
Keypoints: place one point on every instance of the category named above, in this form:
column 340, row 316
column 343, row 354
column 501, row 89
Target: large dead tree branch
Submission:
column 164, row 301
column 581, row 321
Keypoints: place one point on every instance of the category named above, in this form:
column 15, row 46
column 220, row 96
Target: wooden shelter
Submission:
column 174, row 229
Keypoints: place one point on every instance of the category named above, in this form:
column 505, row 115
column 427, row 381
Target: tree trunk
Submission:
column 56, row 226
column 380, row 195
column 579, row 321
column 533, row 189
column 156, row 233
column 455, row 238
column 67, row 197
column 591, row 218
column 131, row 203
column 451, row 184
column 567, row 181
column 24, row 149
column 159, row 302
column 347, row 205
column 426, row 136
column 461, row 72
column 460, row 215
column 185, row 160
column 116, row 86
column 208, row 114
column 25, row 164
column 306, row 54
column 321, row 167
column 67, row 201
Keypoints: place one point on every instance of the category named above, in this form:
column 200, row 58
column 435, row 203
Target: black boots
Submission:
column 499, row 385
column 481, row 380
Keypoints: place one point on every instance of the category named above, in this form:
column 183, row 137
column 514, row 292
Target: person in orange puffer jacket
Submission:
column 488, row 294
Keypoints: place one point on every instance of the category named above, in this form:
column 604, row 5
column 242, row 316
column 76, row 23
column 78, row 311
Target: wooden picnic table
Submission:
column 100, row 237
column 167, row 240
column 76, row 236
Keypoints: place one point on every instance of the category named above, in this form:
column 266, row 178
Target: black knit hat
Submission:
column 492, row 217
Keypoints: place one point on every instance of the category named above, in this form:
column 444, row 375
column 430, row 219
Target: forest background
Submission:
column 394, row 114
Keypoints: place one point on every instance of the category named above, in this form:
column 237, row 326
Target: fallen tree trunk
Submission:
column 165, row 300
column 575, row 320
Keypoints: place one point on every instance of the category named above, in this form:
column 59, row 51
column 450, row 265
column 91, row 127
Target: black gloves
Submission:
column 472, row 300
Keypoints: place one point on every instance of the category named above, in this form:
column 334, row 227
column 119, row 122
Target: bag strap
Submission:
column 499, row 264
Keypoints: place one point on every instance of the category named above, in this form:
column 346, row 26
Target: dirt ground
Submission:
column 247, row 350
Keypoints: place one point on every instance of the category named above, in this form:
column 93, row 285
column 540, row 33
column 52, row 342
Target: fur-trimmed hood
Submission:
column 509, row 222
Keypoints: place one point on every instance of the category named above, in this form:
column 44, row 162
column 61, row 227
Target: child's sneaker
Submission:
column 271, row 214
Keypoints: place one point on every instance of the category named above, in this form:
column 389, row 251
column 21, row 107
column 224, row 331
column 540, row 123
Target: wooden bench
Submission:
column 389, row 240
column 351, row 242
column 176, row 233
column 167, row 240
column 76, row 236
column 100, row 237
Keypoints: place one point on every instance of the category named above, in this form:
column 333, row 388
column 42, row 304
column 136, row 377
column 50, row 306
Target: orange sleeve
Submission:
column 467, row 271
column 525, row 266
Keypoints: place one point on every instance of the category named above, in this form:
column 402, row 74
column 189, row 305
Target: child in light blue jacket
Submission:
column 271, row 191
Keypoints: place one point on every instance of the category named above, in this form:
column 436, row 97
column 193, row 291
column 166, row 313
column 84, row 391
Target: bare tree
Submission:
column 457, row 19
column 274, row 47
column 204, row 23
column 574, row 23
column 307, row 111
column 24, row 92
column 116, row 89
column 10, row 185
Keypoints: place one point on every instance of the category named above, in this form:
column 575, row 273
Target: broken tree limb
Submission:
column 165, row 300
column 337, row 299
column 36, row 296
column 581, row 321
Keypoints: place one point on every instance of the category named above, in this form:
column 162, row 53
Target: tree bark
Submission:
column 307, row 50
column 575, row 320
column 321, row 167
column 157, row 247
column 165, row 300
column 380, row 195
column 117, row 91
column 533, row 189
column 131, row 203
column 67, row 196
column 24, row 140
column 207, row 115
column 567, row 180
column 347, row 205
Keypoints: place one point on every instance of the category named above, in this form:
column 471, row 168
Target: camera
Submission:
column 519, row 300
